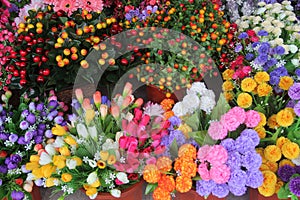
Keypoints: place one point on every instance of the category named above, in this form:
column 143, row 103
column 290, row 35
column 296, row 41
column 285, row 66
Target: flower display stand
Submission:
column 135, row 192
column 36, row 194
column 156, row 95
column 193, row 195
column 254, row 194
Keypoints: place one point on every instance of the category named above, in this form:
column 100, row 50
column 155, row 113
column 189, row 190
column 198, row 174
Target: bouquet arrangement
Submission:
column 23, row 132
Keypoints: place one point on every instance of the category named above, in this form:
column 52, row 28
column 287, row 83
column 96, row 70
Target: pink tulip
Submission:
column 123, row 142
column 137, row 114
column 126, row 102
column 146, row 153
column 159, row 150
column 127, row 89
column 97, row 99
column 103, row 111
column 132, row 129
column 86, row 104
column 79, row 95
column 145, row 120
column 118, row 182
column 115, row 111
column 155, row 143
column 139, row 102
column 151, row 161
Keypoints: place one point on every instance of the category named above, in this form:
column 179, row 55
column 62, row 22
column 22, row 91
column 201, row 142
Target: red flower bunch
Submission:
column 240, row 70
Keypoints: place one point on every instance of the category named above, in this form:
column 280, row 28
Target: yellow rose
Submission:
column 264, row 89
column 91, row 191
column 261, row 77
column 263, row 167
column 290, row 150
column 66, row 177
column 58, row 130
column 272, row 153
column 285, row 118
column 59, row 161
column 244, row 100
column 285, row 82
column 248, row 85
column 267, row 191
column 228, row 74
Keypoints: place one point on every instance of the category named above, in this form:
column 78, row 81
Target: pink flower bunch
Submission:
column 212, row 164
column 140, row 139
column 230, row 121
column 70, row 6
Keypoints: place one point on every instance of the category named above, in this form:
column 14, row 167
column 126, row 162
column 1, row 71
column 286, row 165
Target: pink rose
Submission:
column 252, row 118
column 203, row 172
column 123, row 142
column 220, row 174
column 146, row 152
column 151, row 161
column 132, row 144
column 217, row 131
column 233, row 118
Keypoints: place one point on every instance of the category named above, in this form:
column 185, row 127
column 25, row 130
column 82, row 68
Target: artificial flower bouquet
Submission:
column 23, row 132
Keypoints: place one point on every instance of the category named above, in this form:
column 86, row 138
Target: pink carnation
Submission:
column 217, row 131
column 233, row 118
column 203, row 172
column 220, row 174
column 217, row 155
column 203, row 152
column 252, row 118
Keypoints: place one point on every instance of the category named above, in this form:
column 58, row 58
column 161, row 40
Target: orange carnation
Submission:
column 183, row 184
column 167, row 183
column 151, row 173
column 161, row 194
column 188, row 151
column 186, row 167
column 167, row 104
column 164, row 164
column 286, row 82
column 272, row 123
column 285, row 118
column 281, row 141
column 272, row 153
column 169, row 114
column 228, row 74
column 272, row 166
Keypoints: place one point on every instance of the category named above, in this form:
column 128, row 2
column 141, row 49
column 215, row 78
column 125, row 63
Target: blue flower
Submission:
column 261, row 59
column 238, row 48
column 279, row 50
column 262, row 33
column 264, row 48
column 243, row 35
column 255, row 44
column 249, row 56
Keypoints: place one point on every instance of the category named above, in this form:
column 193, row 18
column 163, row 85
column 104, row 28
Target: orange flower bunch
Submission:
column 273, row 157
column 184, row 169
column 167, row 105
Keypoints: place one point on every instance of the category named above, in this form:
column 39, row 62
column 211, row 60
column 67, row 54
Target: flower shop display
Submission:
column 23, row 132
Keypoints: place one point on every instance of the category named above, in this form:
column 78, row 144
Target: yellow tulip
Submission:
column 34, row 158
column 78, row 161
column 96, row 184
column 70, row 140
column 64, row 151
column 47, row 170
column 111, row 160
column 58, row 130
column 32, row 165
column 59, row 161
column 104, row 155
column 66, row 177
column 50, row 181
column 91, row 191
column 37, row 173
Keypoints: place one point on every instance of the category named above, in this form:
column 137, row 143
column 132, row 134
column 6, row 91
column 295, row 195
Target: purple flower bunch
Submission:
column 294, row 94
column 140, row 14
column 244, row 164
column 287, row 174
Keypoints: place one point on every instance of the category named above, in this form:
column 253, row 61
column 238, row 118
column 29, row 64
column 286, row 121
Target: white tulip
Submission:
column 45, row 159
column 71, row 164
column 93, row 132
column 115, row 193
column 122, row 177
column 59, row 142
column 293, row 48
column 118, row 135
column 82, row 131
column 92, row 178
column 50, row 149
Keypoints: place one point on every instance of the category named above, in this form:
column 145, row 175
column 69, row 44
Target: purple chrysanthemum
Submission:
column 294, row 91
column 228, row 144
column 178, row 136
column 254, row 178
column 175, row 121
column 238, row 190
column 220, row 190
column 286, row 172
column 204, row 188
column 244, row 144
column 234, row 160
column 252, row 135
column 251, row 160
column 297, row 109
column 294, row 186
column 238, row 178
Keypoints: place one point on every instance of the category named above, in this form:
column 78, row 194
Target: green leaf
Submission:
column 201, row 137
column 150, row 188
column 193, row 121
column 3, row 193
column 174, row 149
column 220, row 109
column 63, row 19
column 283, row 193
column 113, row 68
column 259, row 108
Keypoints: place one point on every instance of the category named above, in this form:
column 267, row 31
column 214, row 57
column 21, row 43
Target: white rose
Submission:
column 282, row 16
column 296, row 28
column 191, row 102
column 179, row 110
column 244, row 24
column 266, row 23
column 122, row 177
column 289, row 7
column 295, row 62
column 286, row 3
column 292, row 18
column 289, row 28
column 115, row 193
column 280, row 25
column 82, row 131
column 256, row 29
column 92, row 178
column 261, row 4
column 296, row 35
column 93, row 132
column 269, row 29
column 293, row 48
column 71, row 164
column 278, row 41
column 245, row 17
column 276, row 9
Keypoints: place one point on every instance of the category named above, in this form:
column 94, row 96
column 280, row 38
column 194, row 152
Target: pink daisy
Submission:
column 92, row 5
column 69, row 6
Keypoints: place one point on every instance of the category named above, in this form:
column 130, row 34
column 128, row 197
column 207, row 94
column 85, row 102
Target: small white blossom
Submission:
column 70, row 190
column 56, row 182
column 112, row 176
column 122, row 160
column 85, row 159
column 97, row 156
column 8, row 120
column 64, row 188
column 8, row 143
column 107, row 181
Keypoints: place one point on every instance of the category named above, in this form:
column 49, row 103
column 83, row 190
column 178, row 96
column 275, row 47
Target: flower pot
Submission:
column 65, row 95
column 193, row 195
column 156, row 95
column 254, row 194
column 36, row 194
column 134, row 192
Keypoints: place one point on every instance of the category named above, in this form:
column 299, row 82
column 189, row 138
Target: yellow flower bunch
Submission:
column 285, row 117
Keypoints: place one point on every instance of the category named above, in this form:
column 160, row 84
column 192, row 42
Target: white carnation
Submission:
column 191, row 102
column 207, row 104
column 197, row 88
column 179, row 110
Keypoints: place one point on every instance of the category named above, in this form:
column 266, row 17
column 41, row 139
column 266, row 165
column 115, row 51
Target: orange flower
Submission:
column 281, row 141
column 270, row 178
column 169, row 114
column 286, row 82
column 261, row 131
column 187, row 151
column 161, row 194
column 228, row 74
column 272, row 166
column 278, row 185
column 260, row 151
column 286, row 162
column 244, row 100
column 186, row 166
column 290, row 150
column 151, row 173
column 227, row 86
column 183, row 184
column 263, row 120
column 167, row 183
column 285, row 118
column 266, row 191
column 167, row 104
column 264, row 89
column 264, row 167
column 228, row 96
column 272, row 123
column 248, row 85
column 164, row 164
column 261, row 77
column 272, row 153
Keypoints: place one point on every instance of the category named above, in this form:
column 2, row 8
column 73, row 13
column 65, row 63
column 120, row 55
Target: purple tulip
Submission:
column 41, row 127
column 58, row 119
column 25, row 113
column 28, row 136
column 12, row 165
column 48, row 134
column 3, row 136
column 13, row 138
column 40, row 107
column 0, row 182
column 17, row 195
column 15, row 158
column 38, row 139
column 52, row 105
column 22, row 141
column 24, row 125
column 3, row 169
column 31, row 118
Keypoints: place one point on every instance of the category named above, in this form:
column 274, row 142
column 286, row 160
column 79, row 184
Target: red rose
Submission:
column 19, row 181
column 3, row 154
column 133, row 176
column 251, row 33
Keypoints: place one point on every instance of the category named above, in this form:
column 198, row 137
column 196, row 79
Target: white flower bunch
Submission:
column 198, row 97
